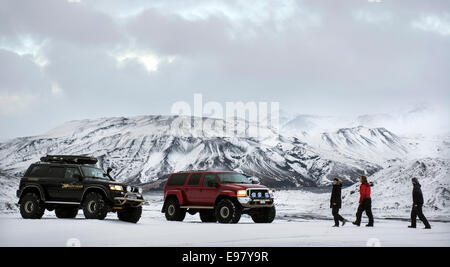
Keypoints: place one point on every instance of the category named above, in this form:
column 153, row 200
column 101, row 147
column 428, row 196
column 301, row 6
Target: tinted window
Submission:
column 195, row 179
column 178, row 179
column 71, row 173
column 57, row 172
column 95, row 173
column 39, row 171
column 210, row 180
column 232, row 178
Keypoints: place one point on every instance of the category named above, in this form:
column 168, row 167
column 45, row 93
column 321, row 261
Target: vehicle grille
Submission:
column 259, row 193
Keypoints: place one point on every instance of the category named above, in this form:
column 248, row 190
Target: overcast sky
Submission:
column 65, row 60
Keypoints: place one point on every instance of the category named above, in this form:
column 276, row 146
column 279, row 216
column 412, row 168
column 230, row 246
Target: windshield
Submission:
column 95, row 173
column 232, row 178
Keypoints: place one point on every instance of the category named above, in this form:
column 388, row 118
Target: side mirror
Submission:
column 254, row 180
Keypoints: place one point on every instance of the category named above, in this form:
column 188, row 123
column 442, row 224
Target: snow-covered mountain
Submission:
column 147, row 148
column 376, row 145
column 429, row 121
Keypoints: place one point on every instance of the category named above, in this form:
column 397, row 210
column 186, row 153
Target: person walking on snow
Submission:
column 417, row 205
column 336, row 201
column 365, row 203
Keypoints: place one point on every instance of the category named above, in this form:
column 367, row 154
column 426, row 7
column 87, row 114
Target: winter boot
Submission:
column 343, row 222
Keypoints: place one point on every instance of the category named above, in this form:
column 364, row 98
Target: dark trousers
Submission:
column 417, row 211
column 336, row 216
column 365, row 206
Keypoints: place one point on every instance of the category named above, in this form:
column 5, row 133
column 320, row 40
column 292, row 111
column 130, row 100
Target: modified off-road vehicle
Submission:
column 217, row 196
column 66, row 184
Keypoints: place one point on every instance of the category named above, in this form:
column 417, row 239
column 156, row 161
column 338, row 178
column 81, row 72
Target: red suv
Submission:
column 221, row 196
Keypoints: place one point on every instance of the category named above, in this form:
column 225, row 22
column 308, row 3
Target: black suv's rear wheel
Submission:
column 66, row 212
column 130, row 214
column 227, row 211
column 173, row 210
column 207, row 216
column 264, row 215
column 31, row 207
column 94, row 206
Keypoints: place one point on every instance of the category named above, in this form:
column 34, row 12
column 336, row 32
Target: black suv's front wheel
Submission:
column 130, row 214
column 94, row 206
column 228, row 211
column 31, row 207
column 173, row 211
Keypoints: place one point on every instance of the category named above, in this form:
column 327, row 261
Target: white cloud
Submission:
column 28, row 47
column 150, row 61
column 433, row 23
column 14, row 103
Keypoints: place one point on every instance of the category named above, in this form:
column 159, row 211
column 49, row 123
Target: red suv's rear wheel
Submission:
column 173, row 210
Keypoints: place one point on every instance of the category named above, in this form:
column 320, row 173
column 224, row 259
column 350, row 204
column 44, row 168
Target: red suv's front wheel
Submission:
column 228, row 211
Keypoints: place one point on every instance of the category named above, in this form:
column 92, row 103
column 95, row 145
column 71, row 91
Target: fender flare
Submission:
column 173, row 193
column 227, row 193
column 37, row 186
column 86, row 189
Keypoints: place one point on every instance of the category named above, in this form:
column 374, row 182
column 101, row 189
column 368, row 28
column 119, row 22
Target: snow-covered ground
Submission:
column 295, row 225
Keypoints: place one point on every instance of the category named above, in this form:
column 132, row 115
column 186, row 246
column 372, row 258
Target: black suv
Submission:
column 67, row 183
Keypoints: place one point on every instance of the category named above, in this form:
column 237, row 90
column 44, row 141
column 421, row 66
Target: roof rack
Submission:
column 71, row 159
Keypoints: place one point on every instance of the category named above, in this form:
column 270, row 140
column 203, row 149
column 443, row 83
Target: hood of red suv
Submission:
column 241, row 186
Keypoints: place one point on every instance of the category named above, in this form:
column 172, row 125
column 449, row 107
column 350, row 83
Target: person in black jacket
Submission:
column 336, row 202
column 417, row 205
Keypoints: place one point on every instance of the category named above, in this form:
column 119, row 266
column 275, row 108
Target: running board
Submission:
column 198, row 207
column 62, row 202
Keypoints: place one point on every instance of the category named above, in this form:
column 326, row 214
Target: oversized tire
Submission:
column 31, row 206
column 130, row 214
column 95, row 206
column 227, row 211
column 208, row 216
column 264, row 215
column 66, row 212
column 173, row 210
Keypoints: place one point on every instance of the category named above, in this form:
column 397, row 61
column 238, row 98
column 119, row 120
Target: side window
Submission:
column 195, row 179
column 178, row 179
column 71, row 173
column 39, row 171
column 57, row 172
column 210, row 180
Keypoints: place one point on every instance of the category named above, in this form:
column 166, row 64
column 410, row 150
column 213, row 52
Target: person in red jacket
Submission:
column 365, row 203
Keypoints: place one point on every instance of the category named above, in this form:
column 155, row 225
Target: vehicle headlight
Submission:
column 241, row 193
column 129, row 188
column 115, row 187
column 140, row 190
